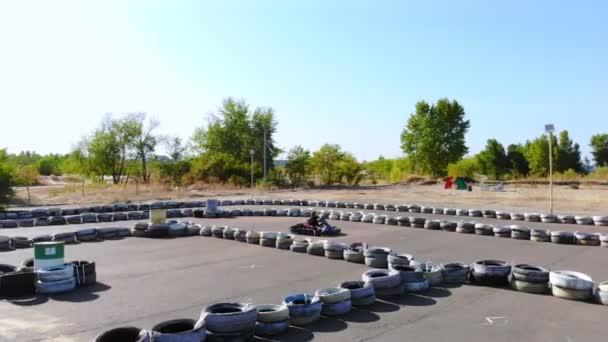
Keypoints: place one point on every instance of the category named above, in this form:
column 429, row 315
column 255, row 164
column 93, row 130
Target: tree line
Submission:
column 237, row 138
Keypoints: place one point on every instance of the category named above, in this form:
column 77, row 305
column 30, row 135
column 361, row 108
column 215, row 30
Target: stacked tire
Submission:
column 303, row 308
column 335, row 301
column 284, row 241
column 376, row 257
column 354, row 253
column 361, row 293
column 272, row 320
column 386, row 283
column 602, row 293
column 14, row 283
column 85, row 273
column 268, row 239
column 56, row 279
column 571, row 285
column 175, row 330
column 316, row 248
column 530, row 279
column 412, row 278
column 230, row 321
column 490, row 273
column 455, row 273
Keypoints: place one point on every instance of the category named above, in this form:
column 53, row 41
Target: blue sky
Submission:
column 344, row 72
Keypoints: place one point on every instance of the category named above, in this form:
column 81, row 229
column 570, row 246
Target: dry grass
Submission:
column 588, row 199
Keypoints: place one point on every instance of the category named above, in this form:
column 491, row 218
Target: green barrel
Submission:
column 48, row 254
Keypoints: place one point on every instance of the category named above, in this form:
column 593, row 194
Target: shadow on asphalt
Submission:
column 360, row 316
column 438, row 292
column 411, row 299
column 29, row 301
column 451, row 286
column 295, row 334
column 327, row 325
column 382, row 306
column 82, row 294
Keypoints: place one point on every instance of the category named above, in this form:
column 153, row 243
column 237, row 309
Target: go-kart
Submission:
column 305, row 228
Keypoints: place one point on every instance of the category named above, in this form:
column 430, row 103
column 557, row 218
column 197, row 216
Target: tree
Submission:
column 28, row 176
column 568, row 154
column 466, row 167
column 518, row 163
column 174, row 171
column 325, row 162
column 599, row 149
column 175, row 147
column 493, row 159
column 349, row 169
column 435, row 133
column 234, row 131
column 143, row 140
column 6, row 179
column 298, row 165
column 537, row 154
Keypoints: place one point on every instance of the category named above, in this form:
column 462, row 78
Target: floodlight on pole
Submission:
column 549, row 129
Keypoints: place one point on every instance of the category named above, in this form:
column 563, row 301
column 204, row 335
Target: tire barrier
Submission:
column 182, row 330
column 530, row 279
column 376, row 257
column 540, row 235
column 272, row 319
column 417, row 222
column 399, row 260
column 548, row 218
column 432, row 224
column 584, row 220
column 465, row 227
column 426, row 210
column 230, row 320
column 268, row 239
column 284, row 241
column 334, row 250
column 448, row 226
column 484, row 229
column 564, row 238
column 566, row 219
column 403, row 221
column 490, row 273
column 520, row 233
column 316, row 248
column 503, row 215
column 299, row 245
column 475, row 213
column 354, row 253
column 24, row 242
column 303, row 308
column 17, row 284
column 361, row 293
column 571, row 285
column 432, row 273
column 600, row 220
column 336, row 301
column 602, row 293
column 455, row 273
column 587, row 239
column 530, row 217
column 126, row 334
column 462, row 212
column 84, row 272
column 386, row 283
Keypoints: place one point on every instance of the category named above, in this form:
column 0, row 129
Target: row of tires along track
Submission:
column 100, row 212
column 393, row 275
column 464, row 227
column 23, row 281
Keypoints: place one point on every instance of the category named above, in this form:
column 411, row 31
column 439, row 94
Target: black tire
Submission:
column 18, row 284
column 122, row 334
column 5, row 268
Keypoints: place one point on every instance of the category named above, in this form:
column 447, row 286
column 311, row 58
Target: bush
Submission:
column 467, row 167
column 601, row 173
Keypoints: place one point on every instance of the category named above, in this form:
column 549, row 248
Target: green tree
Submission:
column 435, row 133
column 568, row 154
column 6, row 179
column 142, row 141
column 27, row 176
column 537, row 154
column 348, row 169
column 493, row 159
column 517, row 160
column 325, row 163
column 466, row 167
column 599, row 149
column 298, row 165
column 234, row 131
column 48, row 165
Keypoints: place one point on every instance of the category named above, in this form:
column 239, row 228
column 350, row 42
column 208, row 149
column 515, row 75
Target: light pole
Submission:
column 251, row 153
column 549, row 129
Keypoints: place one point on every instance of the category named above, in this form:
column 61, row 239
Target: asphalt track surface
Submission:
column 142, row 282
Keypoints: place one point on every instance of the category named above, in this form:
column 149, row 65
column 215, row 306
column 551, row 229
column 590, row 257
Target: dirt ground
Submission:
column 524, row 198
